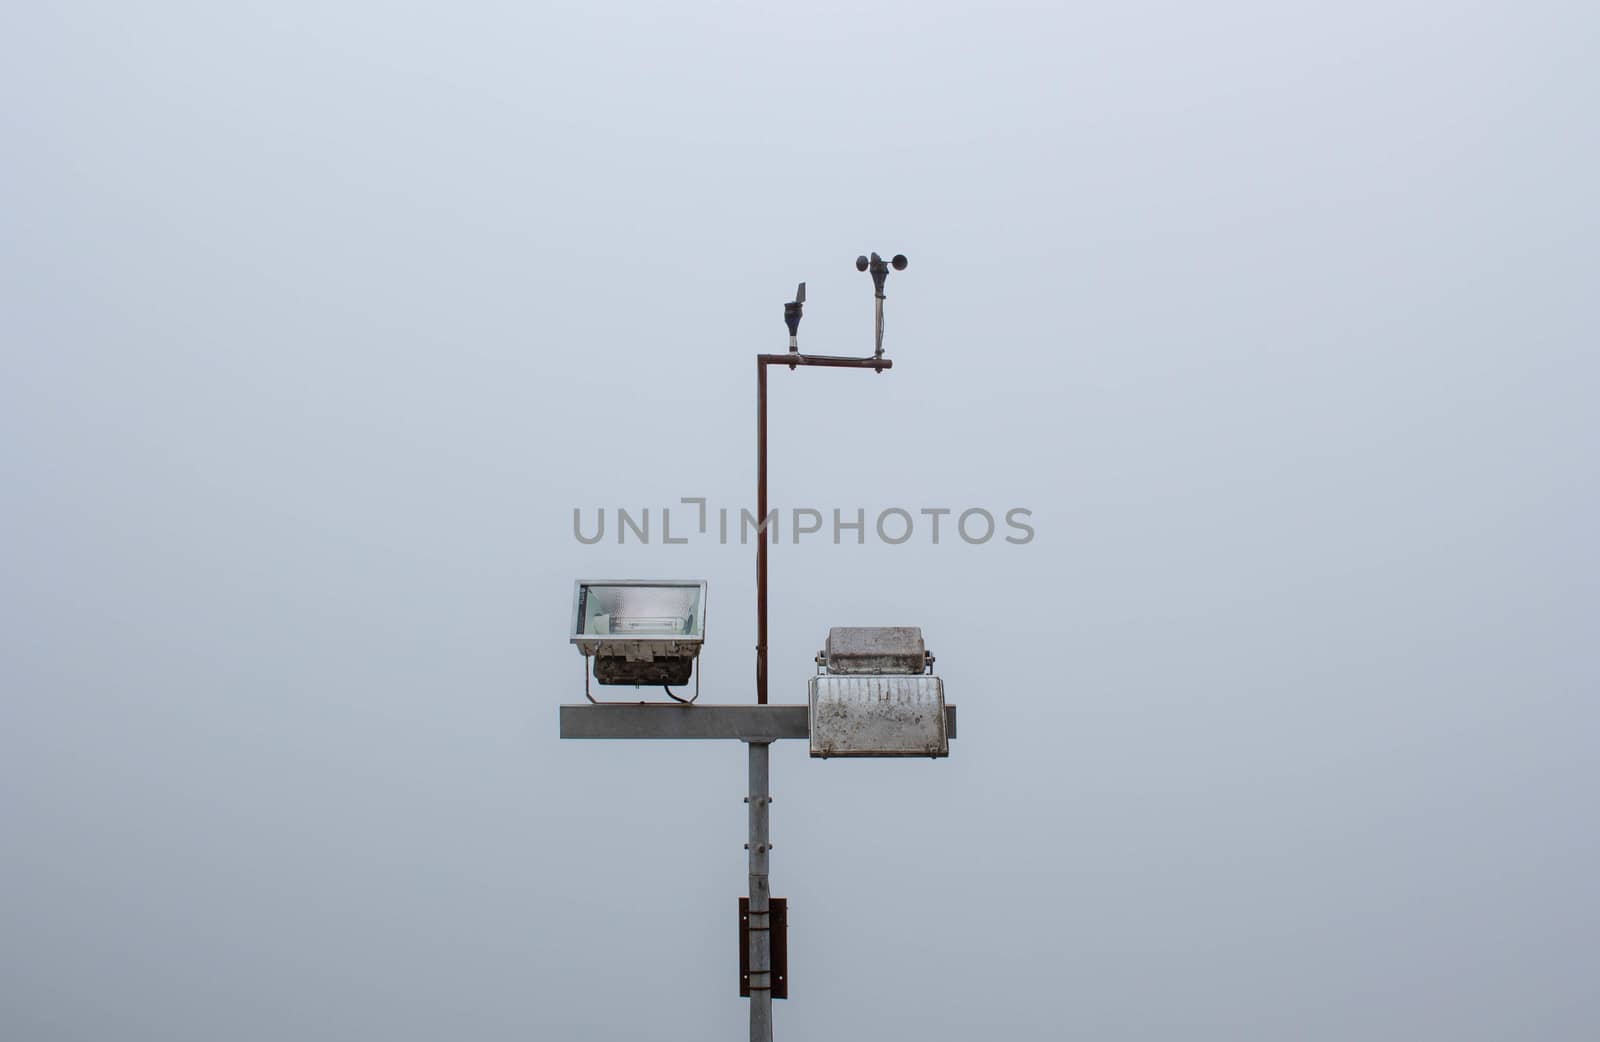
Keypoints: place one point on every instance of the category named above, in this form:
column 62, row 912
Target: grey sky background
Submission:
column 318, row 320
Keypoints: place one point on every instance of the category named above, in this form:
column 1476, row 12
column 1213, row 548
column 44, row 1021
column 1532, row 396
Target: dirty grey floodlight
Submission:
column 875, row 695
column 640, row 631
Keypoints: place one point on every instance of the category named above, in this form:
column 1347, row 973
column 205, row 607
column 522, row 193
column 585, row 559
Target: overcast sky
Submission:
column 318, row 320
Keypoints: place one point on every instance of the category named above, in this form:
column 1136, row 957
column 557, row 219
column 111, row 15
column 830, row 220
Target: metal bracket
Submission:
column 778, row 925
column 696, row 698
column 675, row 698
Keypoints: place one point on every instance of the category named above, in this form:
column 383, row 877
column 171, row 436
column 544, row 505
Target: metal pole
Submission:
column 761, row 531
column 877, row 326
column 760, row 914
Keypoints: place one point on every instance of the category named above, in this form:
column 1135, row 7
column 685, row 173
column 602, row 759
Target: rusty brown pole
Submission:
column 761, row 530
column 791, row 359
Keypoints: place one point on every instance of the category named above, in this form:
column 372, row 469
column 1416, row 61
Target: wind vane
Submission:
column 791, row 316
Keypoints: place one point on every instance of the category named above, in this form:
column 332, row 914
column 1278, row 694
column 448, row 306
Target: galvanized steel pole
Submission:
column 760, row 910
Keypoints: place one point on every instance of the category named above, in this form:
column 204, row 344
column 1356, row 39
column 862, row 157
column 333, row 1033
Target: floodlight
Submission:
column 640, row 631
column 875, row 695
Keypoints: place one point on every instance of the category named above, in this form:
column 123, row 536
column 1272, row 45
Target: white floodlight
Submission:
column 875, row 695
column 640, row 631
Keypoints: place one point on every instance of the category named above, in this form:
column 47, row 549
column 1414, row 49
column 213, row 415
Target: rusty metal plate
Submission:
column 878, row 716
column 778, row 907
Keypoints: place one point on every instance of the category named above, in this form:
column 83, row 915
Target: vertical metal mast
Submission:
column 760, row 893
column 761, row 527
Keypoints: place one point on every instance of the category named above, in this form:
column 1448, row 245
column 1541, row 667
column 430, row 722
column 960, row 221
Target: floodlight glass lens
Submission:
column 641, row 611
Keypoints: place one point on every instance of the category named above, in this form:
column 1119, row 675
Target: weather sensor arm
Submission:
column 794, row 359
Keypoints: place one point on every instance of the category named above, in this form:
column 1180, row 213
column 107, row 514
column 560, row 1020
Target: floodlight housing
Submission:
column 640, row 631
column 875, row 695
column 874, row 649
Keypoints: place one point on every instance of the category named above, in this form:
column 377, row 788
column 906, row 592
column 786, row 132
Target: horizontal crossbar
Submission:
column 749, row 723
